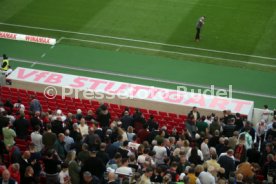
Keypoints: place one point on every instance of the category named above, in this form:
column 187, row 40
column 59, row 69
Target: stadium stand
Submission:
column 81, row 141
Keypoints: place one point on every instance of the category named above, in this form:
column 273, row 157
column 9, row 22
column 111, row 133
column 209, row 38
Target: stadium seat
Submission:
column 153, row 112
column 172, row 115
column 164, row 114
column 183, row 117
column 122, row 107
column 144, row 110
column 114, row 106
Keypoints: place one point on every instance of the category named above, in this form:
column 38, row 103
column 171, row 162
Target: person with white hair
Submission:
column 6, row 178
column 207, row 177
column 227, row 162
column 59, row 114
column 83, row 127
column 112, row 177
column 79, row 114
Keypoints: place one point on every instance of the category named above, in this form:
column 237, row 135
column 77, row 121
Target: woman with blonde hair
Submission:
column 122, row 133
column 29, row 176
column 186, row 146
column 213, row 163
column 15, row 173
column 130, row 133
column 74, row 168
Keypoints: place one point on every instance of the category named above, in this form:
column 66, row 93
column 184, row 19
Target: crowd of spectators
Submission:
column 52, row 147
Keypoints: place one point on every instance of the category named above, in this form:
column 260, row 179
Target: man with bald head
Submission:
column 6, row 178
column 24, row 162
column 112, row 178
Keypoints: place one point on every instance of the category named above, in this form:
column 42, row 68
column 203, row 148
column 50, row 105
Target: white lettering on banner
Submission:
column 28, row 38
column 100, row 86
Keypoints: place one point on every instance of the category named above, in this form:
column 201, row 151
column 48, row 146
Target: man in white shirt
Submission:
column 19, row 106
column 208, row 120
column 205, row 149
column 36, row 138
column 266, row 113
column 142, row 158
column 124, row 169
column 83, row 127
column 160, row 151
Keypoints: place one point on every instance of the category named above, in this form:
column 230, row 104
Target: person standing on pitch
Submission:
column 199, row 25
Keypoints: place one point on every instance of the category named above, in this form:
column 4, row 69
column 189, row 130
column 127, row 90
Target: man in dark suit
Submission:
column 152, row 123
column 93, row 160
column 21, row 127
column 57, row 127
column 35, row 120
column 24, row 162
column 227, row 162
column 49, row 138
column 127, row 120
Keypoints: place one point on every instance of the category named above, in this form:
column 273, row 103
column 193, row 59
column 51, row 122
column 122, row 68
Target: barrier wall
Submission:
column 27, row 38
column 257, row 115
column 126, row 94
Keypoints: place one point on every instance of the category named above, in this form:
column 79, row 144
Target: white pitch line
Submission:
column 141, row 77
column 43, row 55
column 139, row 41
column 52, row 47
column 172, row 52
column 34, row 63
column 58, row 41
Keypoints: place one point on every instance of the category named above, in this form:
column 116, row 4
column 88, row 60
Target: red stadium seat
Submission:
column 144, row 111
column 153, row 112
column 172, row 115
column 114, row 106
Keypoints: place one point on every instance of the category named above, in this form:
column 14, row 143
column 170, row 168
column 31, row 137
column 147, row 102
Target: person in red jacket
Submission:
column 14, row 170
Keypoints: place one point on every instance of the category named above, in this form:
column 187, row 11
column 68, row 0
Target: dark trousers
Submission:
column 197, row 37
